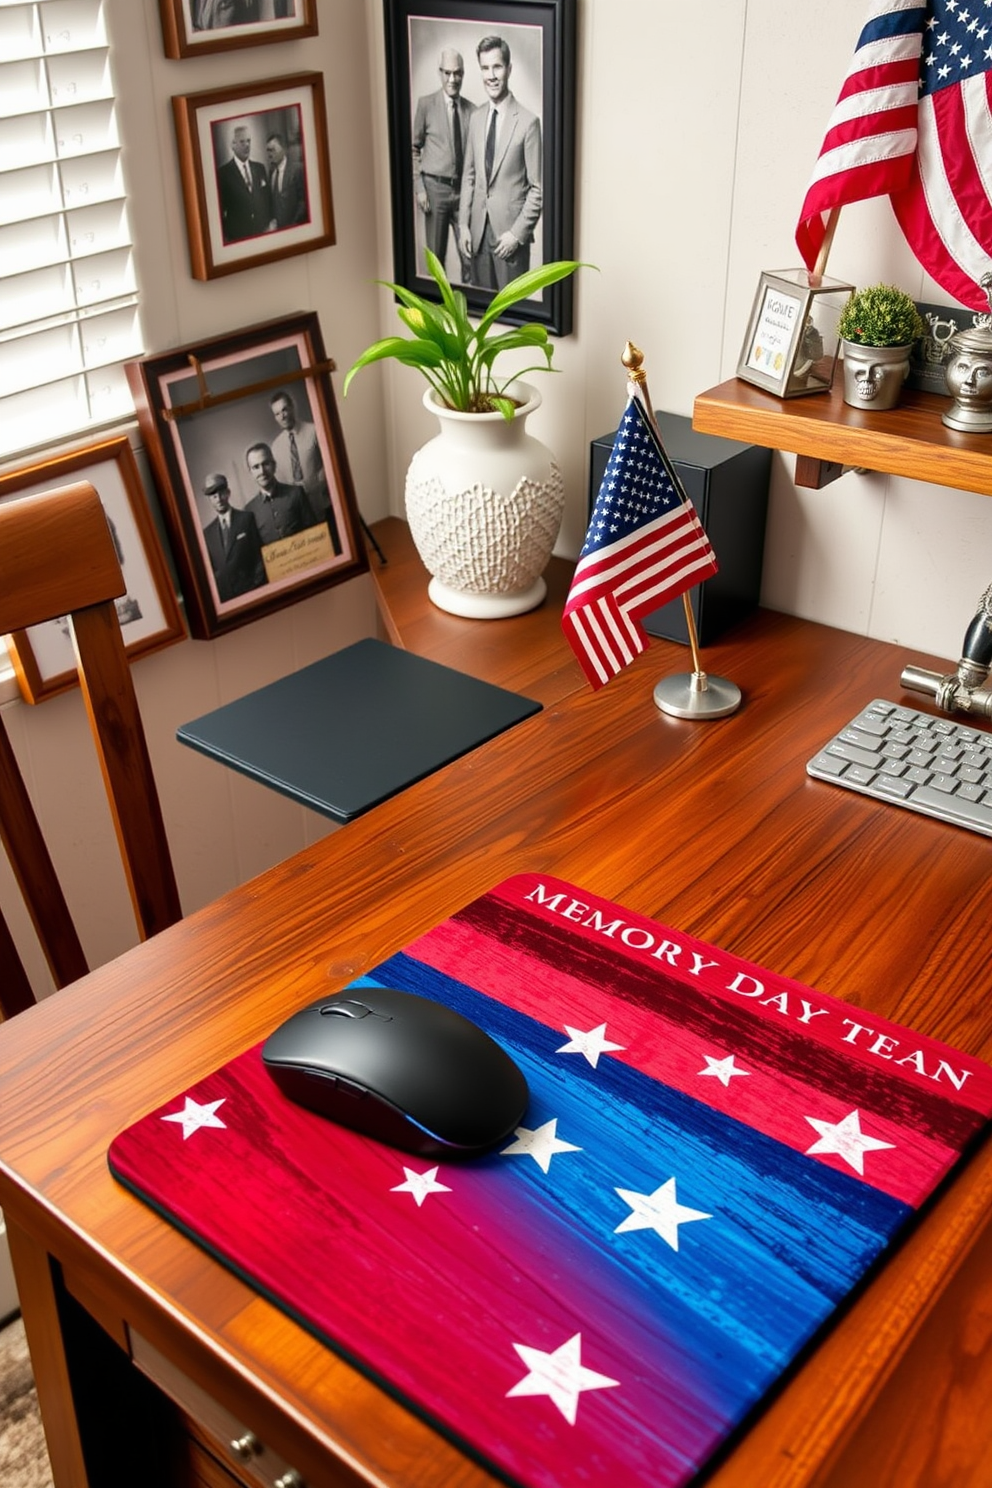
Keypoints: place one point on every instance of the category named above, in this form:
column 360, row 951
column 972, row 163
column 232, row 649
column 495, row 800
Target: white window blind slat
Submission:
column 68, row 297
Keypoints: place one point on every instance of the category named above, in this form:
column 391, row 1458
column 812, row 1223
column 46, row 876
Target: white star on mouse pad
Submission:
column 590, row 1044
column 723, row 1069
column 846, row 1139
column 420, row 1185
column 193, row 1116
column 560, row 1375
column 659, row 1211
column 542, row 1144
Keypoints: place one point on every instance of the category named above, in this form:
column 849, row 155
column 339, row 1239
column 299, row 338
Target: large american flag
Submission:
column 645, row 546
column 914, row 122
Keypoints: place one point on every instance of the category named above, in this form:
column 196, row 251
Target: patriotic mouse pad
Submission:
column 712, row 1158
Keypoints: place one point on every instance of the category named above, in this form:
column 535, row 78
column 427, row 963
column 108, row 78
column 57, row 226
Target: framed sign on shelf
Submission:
column 791, row 344
column 191, row 28
column 256, row 175
column 248, row 454
column 490, row 207
column 43, row 657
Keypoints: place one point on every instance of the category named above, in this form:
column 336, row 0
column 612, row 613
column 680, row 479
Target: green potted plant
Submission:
column 458, row 359
column 877, row 327
column 484, row 499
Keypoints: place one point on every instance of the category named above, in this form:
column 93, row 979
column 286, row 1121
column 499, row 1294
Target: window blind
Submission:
column 68, row 298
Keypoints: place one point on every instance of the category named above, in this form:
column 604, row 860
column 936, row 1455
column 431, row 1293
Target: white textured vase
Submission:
column 484, row 501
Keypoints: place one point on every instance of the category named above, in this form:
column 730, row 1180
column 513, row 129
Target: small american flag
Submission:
column 914, row 122
column 645, row 546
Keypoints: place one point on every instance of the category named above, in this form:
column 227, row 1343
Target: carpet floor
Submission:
column 23, row 1455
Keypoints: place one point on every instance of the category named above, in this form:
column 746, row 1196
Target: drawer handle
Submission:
column 247, row 1446
column 289, row 1479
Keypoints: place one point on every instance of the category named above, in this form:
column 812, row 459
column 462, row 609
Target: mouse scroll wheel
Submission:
column 344, row 1010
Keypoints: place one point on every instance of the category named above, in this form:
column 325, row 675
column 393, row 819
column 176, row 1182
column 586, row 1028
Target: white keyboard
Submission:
column 937, row 766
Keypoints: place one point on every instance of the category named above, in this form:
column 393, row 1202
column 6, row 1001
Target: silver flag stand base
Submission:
column 695, row 695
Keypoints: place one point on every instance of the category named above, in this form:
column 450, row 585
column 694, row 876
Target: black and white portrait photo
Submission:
column 216, row 15
column 261, row 173
column 191, row 27
column 248, row 449
column 481, row 102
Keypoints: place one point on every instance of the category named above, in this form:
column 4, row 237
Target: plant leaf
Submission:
column 506, row 406
column 429, row 325
column 422, row 354
column 526, row 285
column 436, row 271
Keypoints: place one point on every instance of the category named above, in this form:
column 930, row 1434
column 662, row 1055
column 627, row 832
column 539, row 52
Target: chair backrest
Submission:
column 57, row 558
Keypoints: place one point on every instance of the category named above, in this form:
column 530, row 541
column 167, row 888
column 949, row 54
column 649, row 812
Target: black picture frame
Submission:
column 541, row 38
column 204, row 410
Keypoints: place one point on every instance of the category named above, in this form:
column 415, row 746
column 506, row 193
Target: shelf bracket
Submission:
column 817, row 473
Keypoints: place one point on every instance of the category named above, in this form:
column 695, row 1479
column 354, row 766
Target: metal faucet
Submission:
column 958, row 692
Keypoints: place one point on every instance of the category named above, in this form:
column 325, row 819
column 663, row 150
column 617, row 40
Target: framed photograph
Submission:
column 42, row 656
column 255, row 173
column 245, row 443
column 790, row 348
column 481, row 102
column 193, row 27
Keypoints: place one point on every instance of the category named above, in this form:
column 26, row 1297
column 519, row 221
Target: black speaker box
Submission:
column 727, row 483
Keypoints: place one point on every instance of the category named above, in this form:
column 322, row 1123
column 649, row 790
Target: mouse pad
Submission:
column 712, row 1159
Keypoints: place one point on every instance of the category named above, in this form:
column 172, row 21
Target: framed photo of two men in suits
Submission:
column 256, row 175
column 481, row 100
column 248, row 456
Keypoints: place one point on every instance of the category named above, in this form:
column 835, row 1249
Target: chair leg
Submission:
column 15, row 989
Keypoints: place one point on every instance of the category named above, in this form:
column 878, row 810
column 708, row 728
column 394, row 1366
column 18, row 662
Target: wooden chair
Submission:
column 57, row 557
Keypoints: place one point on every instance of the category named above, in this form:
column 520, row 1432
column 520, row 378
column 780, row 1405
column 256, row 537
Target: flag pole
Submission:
column 684, row 695
column 830, row 227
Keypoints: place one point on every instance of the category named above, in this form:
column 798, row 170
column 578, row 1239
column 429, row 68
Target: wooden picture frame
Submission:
column 42, row 656
column 194, row 28
column 540, row 38
column 232, row 142
column 205, row 413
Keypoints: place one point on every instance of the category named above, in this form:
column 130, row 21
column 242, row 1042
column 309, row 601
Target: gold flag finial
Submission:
column 633, row 360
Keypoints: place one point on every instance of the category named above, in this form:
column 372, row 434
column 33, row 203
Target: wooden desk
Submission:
column 713, row 828
column 525, row 653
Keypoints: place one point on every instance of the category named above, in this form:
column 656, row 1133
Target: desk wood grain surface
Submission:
column 712, row 828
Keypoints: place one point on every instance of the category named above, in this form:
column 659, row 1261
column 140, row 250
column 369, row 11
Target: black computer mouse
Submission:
column 401, row 1068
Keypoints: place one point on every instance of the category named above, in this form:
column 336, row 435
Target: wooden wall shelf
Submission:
column 829, row 436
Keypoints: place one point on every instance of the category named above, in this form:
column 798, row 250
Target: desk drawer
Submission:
column 249, row 1460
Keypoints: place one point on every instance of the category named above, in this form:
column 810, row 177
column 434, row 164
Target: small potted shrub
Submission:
column 878, row 326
